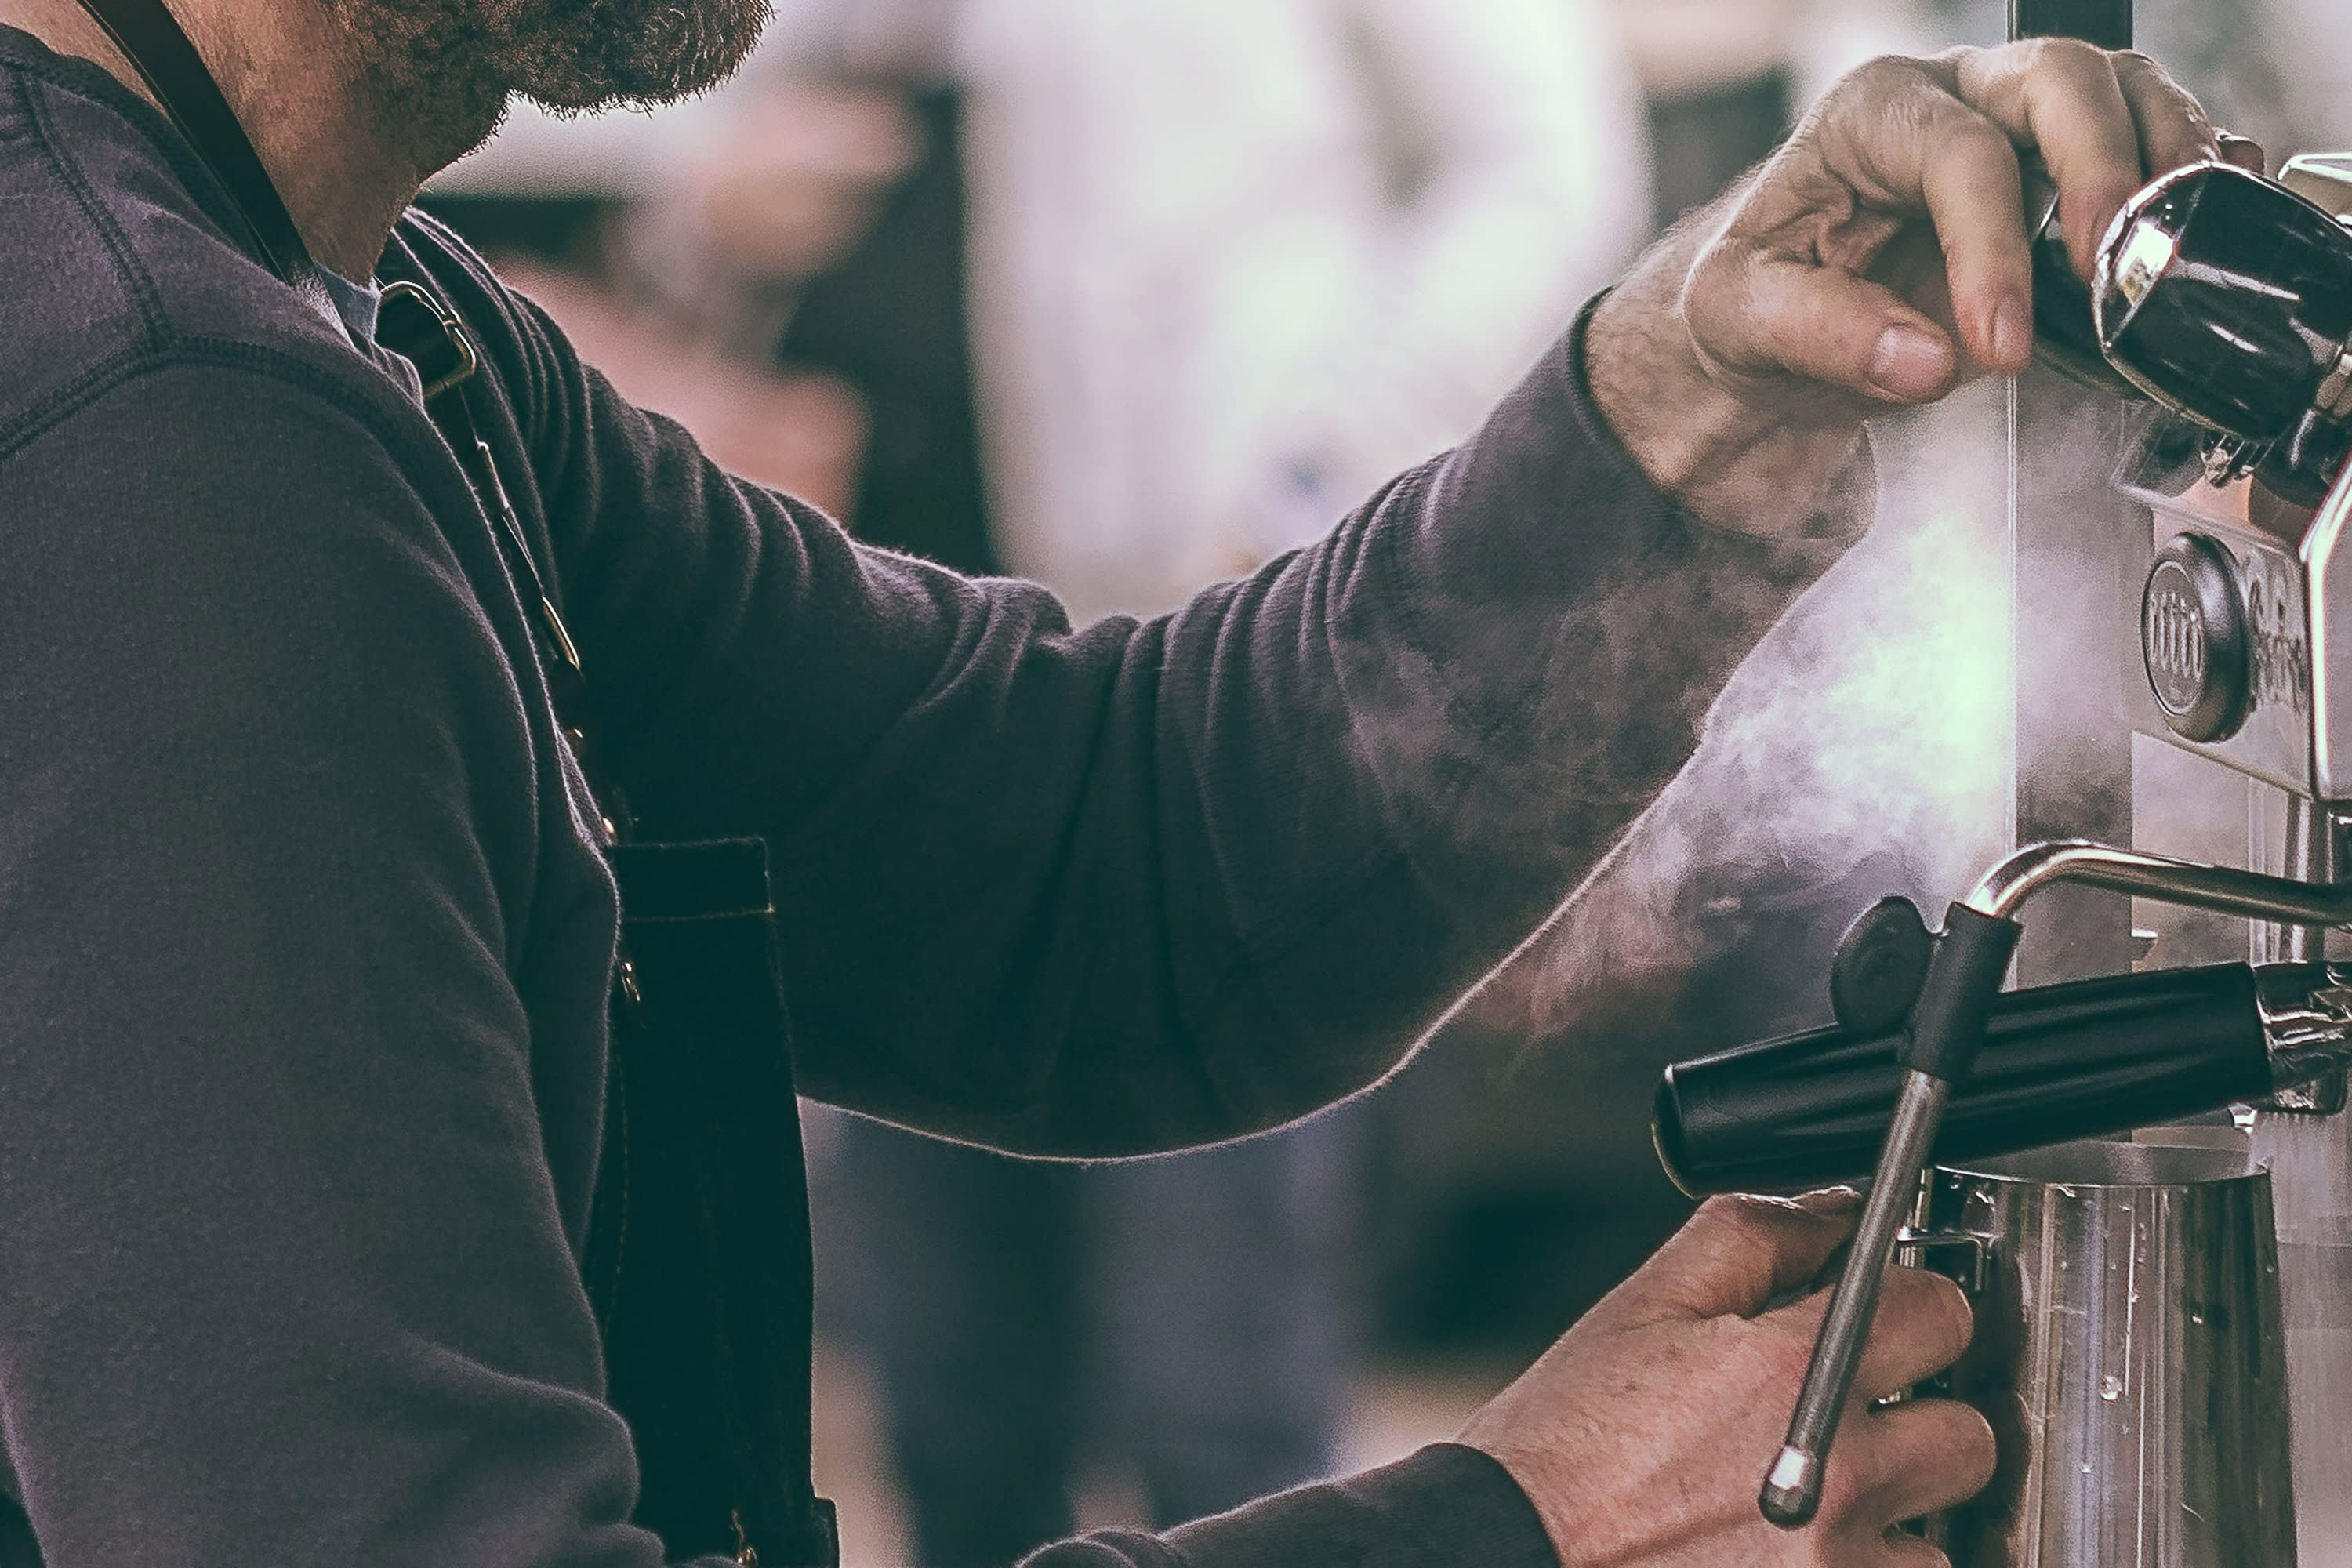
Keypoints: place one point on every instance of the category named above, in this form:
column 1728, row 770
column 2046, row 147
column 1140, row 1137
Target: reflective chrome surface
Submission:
column 2228, row 297
column 2310, row 1161
column 2223, row 889
column 2130, row 1355
column 1792, row 1488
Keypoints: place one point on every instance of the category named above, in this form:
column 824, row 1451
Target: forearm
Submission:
column 1136, row 886
column 1308, row 811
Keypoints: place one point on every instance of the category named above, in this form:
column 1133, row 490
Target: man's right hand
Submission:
column 1877, row 260
column 1642, row 1437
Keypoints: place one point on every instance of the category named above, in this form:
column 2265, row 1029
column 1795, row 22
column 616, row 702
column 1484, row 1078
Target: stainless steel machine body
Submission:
column 2286, row 575
column 2238, row 668
column 2220, row 543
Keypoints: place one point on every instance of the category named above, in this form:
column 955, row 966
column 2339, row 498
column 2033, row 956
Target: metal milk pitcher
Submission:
column 2128, row 1352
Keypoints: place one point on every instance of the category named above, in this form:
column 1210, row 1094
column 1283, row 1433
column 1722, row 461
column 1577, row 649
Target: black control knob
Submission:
column 2194, row 640
column 1881, row 964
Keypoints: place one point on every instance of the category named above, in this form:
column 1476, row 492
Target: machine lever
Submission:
column 1947, row 1027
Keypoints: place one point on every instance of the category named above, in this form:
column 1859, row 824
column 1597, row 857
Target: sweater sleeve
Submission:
column 1446, row 1506
column 1137, row 885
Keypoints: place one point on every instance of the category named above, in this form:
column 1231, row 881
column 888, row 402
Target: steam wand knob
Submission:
column 1964, row 974
column 1881, row 964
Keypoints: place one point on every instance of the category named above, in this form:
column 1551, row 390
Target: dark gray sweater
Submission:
column 304, row 943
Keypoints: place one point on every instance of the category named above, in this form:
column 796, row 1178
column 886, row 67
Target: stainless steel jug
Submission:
column 2128, row 1352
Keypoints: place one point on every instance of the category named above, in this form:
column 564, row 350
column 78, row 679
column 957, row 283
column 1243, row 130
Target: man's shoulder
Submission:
column 110, row 263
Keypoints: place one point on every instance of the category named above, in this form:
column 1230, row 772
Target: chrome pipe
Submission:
column 2221, row 889
column 1792, row 1491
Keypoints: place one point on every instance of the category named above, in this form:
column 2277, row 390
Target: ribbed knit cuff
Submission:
column 1445, row 1507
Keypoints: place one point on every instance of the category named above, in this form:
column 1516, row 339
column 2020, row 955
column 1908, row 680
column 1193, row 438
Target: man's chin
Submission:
column 574, row 59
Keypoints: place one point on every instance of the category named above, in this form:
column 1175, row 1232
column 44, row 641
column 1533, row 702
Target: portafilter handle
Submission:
column 1947, row 1025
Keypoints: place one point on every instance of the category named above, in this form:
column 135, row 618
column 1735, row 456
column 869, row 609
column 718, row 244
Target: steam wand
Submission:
column 1947, row 1027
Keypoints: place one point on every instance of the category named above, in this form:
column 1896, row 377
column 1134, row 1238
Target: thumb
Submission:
column 1756, row 313
column 1738, row 1254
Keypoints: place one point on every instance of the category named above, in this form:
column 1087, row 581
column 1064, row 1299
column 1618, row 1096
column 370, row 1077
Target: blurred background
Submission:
column 1131, row 295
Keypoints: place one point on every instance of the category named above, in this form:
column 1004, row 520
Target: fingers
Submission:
column 1974, row 193
column 1918, row 1457
column 2173, row 128
column 1901, row 133
column 1736, row 1254
column 1814, row 277
column 2245, row 153
column 2063, row 98
column 1922, row 1325
column 1757, row 312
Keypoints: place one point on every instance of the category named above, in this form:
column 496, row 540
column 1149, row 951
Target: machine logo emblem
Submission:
column 2281, row 669
column 2195, row 640
column 2173, row 627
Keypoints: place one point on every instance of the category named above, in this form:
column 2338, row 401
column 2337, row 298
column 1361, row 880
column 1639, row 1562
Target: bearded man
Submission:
column 312, row 1081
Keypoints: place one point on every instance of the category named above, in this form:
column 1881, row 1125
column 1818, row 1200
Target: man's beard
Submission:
column 444, row 69
column 587, row 54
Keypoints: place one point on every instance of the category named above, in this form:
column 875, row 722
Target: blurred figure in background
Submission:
column 671, row 248
column 1233, row 259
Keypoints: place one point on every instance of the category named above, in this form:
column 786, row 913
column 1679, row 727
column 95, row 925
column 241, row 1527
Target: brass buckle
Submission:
column 445, row 356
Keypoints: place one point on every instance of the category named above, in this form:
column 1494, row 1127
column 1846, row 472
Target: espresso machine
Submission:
column 2174, row 930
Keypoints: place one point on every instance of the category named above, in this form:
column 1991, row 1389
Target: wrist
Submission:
column 1752, row 459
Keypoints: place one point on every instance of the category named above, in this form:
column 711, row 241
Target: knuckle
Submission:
column 1744, row 1221
column 1720, row 1220
column 2132, row 66
column 1969, row 135
column 1721, row 1209
column 2068, row 60
column 1890, row 77
column 1948, row 1436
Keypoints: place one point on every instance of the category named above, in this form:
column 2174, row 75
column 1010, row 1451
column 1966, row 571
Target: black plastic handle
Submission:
column 2058, row 1062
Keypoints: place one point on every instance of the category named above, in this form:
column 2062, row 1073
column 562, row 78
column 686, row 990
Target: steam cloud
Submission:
column 1867, row 739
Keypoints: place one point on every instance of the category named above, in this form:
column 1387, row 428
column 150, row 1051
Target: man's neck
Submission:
column 288, row 74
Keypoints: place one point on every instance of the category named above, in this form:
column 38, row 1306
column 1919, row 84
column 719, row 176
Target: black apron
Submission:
column 697, row 1263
